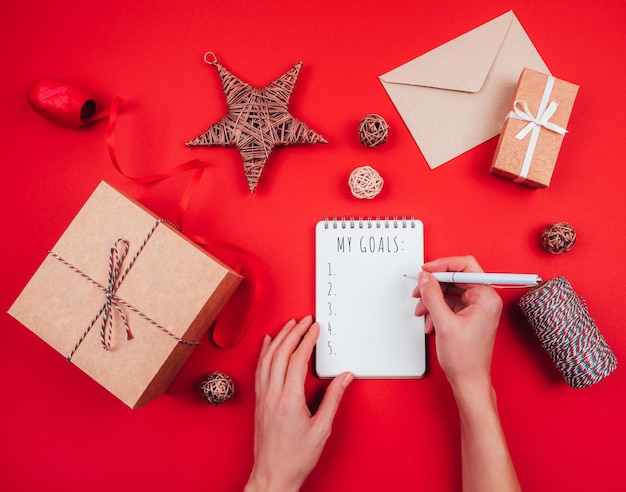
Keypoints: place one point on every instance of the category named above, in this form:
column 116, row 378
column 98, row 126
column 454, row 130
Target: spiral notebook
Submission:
column 364, row 302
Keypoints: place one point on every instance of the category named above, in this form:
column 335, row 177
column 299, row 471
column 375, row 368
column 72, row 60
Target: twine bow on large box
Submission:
column 157, row 283
column 112, row 303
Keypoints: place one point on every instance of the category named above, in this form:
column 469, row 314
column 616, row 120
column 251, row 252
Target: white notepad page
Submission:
column 363, row 301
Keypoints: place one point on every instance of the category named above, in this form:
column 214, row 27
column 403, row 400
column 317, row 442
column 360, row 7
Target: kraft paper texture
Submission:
column 455, row 96
column 173, row 281
column 510, row 152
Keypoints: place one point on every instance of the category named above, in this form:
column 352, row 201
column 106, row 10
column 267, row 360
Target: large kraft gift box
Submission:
column 533, row 131
column 159, row 309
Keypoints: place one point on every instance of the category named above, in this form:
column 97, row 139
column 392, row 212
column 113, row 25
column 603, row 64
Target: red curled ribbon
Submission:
column 223, row 335
column 62, row 102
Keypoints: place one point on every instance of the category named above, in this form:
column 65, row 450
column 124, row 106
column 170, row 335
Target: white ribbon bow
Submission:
column 542, row 119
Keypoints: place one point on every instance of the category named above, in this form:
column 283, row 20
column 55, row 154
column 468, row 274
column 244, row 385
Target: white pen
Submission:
column 519, row 279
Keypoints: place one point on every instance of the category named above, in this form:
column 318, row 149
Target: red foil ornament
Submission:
column 62, row 102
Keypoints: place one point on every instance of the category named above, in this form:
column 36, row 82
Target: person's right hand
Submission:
column 464, row 318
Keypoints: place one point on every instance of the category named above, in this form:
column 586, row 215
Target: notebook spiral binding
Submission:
column 370, row 222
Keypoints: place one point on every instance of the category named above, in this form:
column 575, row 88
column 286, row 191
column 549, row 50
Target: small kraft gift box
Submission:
column 533, row 131
column 124, row 296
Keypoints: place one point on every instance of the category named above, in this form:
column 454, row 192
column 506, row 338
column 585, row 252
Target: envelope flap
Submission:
column 461, row 64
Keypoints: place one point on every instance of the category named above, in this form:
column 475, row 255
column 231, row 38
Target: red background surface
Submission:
column 60, row 430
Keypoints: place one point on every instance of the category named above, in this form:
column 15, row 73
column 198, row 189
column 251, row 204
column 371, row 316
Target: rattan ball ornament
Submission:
column 217, row 388
column 558, row 238
column 373, row 130
column 365, row 182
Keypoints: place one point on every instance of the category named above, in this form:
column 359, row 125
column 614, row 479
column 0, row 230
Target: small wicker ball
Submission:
column 217, row 388
column 365, row 182
column 558, row 238
column 373, row 130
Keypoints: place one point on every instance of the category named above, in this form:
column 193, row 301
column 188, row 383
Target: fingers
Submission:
column 264, row 364
column 453, row 264
column 281, row 350
column 299, row 360
column 484, row 296
column 262, row 371
column 283, row 364
column 451, row 292
column 332, row 398
column 288, row 348
column 432, row 299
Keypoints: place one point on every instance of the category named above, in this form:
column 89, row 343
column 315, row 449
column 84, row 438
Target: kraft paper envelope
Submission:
column 456, row 96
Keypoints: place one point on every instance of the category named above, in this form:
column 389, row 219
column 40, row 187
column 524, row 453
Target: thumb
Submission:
column 432, row 297
column 332, row 398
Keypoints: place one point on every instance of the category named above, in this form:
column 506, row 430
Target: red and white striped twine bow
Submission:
column 113, row 302
column 116, row 258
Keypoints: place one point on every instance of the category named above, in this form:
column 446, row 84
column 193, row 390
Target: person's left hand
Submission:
column 288, row 439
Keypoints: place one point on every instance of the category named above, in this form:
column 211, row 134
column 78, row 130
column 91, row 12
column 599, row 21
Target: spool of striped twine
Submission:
column 561, row 321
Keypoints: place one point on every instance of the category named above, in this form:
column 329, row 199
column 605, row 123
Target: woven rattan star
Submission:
column 257, row 120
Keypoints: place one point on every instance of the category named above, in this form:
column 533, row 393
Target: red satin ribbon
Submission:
column 101, row 115
column 151, row 178
column 223, row 334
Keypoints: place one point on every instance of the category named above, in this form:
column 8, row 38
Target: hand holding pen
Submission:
column 464, row 318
